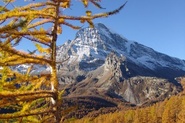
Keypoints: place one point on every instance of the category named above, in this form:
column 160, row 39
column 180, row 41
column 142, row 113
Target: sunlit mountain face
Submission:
column 102, row 63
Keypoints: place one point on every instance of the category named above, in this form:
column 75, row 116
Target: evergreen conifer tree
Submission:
column 34, row 98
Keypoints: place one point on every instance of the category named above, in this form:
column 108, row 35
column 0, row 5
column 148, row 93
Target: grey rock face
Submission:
column 139, row 90
column 106, row 64
column 113, row 64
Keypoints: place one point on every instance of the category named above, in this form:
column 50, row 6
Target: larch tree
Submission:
column 35, row 98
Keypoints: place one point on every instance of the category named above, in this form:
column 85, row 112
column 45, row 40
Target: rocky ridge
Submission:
column 105, row 64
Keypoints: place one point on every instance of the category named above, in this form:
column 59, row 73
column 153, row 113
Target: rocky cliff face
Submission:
column 113, row 79
column 103, row 63
column 139, row 90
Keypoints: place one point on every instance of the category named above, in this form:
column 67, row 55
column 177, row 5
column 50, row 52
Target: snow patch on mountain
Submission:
column 93, row 44
column 36, row 69
column 128, row 45
column 147, row 62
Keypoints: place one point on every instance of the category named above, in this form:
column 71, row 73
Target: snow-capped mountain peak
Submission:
column 92, row 45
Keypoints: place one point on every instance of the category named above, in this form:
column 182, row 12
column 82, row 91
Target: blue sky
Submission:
column 159, row 24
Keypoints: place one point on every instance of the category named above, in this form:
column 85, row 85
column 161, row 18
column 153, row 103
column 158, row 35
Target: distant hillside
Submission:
column 172, row 110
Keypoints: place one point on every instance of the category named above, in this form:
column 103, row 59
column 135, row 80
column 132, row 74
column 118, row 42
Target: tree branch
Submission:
column 24, row 114
column 6, row 94
column 24, row 55
column 93, row 16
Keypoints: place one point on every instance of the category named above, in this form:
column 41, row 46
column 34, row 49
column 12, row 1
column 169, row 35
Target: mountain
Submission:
column 36, row 69
column 101, row 63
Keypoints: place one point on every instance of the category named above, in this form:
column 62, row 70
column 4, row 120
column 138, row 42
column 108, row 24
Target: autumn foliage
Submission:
column 171, row 110
column 33, row 98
